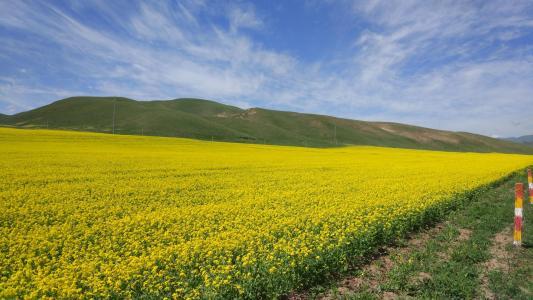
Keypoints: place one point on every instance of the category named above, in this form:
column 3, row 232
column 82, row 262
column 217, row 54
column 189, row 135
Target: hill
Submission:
column 204, row 119
column 525, row 139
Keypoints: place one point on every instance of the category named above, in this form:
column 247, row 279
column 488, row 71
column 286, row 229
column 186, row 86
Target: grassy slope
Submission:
column 203, row 119
column 456, row 261
column 526, row 139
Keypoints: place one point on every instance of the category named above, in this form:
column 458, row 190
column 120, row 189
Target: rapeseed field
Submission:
column 86, row 215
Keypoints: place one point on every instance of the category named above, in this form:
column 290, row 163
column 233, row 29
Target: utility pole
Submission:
column 142, row 131
column 114, row 109
column 335, row 134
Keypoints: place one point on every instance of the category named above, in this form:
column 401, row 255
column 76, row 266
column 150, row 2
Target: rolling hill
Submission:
column 204, row 119
column 525, row 139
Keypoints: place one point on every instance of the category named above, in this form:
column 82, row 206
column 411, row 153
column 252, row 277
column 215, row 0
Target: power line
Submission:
column 335, row 134
column 114, row 109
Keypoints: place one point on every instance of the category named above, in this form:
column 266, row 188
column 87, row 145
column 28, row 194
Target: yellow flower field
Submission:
column 94, row 215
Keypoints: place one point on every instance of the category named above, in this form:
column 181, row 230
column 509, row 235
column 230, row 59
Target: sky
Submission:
column 454, row 65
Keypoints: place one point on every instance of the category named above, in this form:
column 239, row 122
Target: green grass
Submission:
column 209, row 120
column 455, row 259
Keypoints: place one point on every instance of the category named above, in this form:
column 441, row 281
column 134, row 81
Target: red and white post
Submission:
column 519, row 199
column 530, row 185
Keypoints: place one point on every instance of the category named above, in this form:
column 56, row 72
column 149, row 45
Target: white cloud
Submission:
column 243, row 17
column 169, row 58
column 469, row 90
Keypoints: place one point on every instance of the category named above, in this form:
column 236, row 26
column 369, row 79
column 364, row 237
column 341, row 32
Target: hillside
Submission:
column 204, row 119
column 525, row 139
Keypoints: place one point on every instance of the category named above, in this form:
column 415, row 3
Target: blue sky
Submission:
column 456, row 65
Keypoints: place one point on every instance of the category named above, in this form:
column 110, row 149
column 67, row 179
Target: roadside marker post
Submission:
column 530, row 185
column 519, row 198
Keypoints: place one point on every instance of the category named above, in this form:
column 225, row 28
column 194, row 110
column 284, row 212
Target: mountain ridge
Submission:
column 524, row 139
column 211, row 120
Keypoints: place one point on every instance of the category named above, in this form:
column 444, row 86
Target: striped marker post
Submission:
column 519, row 198
column 530, row 185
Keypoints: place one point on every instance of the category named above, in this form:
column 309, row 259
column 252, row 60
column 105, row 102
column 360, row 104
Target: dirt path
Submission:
column 500, row 260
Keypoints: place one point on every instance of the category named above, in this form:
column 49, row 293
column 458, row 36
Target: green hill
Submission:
column 204, row 119
column 526, row 139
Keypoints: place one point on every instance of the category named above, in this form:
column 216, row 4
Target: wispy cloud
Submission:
column 442, row 63
column 446, row 64
column 243, row 17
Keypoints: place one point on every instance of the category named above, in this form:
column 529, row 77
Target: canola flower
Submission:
column 88, row 215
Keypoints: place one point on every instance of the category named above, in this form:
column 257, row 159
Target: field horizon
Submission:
column 210, row 120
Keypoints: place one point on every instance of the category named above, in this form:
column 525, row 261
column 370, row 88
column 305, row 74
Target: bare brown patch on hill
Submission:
column 225, row 115
column 422, row 136
column 317, row 124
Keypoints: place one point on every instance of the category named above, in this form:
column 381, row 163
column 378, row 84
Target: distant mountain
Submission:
column 204, row 119
column 525, row 139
